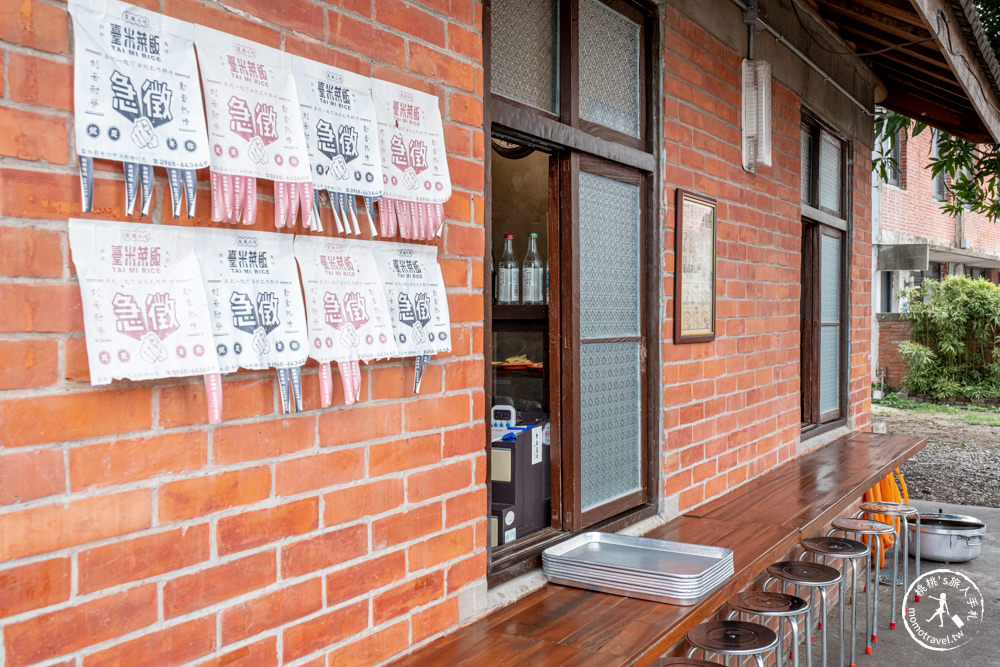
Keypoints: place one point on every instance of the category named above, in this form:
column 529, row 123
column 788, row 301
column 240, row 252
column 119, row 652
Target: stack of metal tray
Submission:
column 639, row 567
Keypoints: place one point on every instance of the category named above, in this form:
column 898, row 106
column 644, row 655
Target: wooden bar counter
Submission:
column 760, row 521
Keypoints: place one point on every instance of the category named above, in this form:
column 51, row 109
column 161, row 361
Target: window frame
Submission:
column 816, row 222
column 573, row 142
column 894, row 172
column 939, row 184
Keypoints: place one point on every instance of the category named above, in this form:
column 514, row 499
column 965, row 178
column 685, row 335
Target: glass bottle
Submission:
column 533, row 273
column 508, row 274
column 546, row 280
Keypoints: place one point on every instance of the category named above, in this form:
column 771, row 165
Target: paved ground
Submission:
column 896, row 648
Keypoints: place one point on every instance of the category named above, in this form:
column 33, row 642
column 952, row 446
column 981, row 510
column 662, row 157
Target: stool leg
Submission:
column 760, row 661
column 917, row 597
column 895, row 571
column 878, row 558
column 868, row 596
column 795, row 641
column 809, row 652
column 904, row 526
column 822, row 605
column 843, row 616
column 854, row 608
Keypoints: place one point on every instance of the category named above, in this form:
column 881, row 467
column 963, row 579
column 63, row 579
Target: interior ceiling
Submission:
column 919, row 82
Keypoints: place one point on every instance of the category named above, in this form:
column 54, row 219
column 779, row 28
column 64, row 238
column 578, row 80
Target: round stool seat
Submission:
column 866, row 526
column 684, row 662
column 767, row 603
column 804, row 573
column 733, row 637
column 884, row 507
column 835, row 546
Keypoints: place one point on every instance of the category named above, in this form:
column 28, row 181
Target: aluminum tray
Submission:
column 638, row 581
column 723, row 566
column 628, row 592
column 641, row 555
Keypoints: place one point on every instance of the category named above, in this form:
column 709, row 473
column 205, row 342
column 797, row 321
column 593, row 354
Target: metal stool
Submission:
column 683, row 662
column 732, row 638
column 813, row 575
column 873, row 529
column 779, row 605
column 900, row 511
column 851, row 550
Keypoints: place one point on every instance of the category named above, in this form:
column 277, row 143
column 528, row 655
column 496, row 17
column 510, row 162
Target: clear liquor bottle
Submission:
column 508, row 274
column 533, row 273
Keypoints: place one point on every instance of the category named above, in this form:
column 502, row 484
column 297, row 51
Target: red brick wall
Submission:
column 132, row 533
column 892, row 332
column 731, row 407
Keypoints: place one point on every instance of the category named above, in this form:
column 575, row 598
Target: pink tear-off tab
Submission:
column 325, row 385
column 385, row 217
column 350, row 378
column 227, row 198
column 293, row 204
column 356, row 374
column 213, row 397
column 403, row 219
column 416, row 223
column 239, row 187
column 426, row 226
column 438, row 210
column 280, row 203
column 306, row 203
column 216, row 182
column 250, row 216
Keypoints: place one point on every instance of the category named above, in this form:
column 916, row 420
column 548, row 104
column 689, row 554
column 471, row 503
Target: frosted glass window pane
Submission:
column 829, row 279
column 610, row 438
column 830, row 161
column 609, row 68
column 524, row 52
column 806, row 167
column 829, row 369
column 609, row 257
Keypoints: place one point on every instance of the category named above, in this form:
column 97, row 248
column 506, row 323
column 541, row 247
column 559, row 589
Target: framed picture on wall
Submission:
column 694, row 274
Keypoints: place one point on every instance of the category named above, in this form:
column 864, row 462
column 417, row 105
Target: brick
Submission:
column 399, row 455
column 211, row 585
column 34, row 586
column 35, row 25
column 438, row 481
column 259, row 654
column 35, row 253
column 464, row 375
column 28, row 363
column 135, row 459
column 466, row 571
column 362, row 500
column 442, row 67
column 60, row 632
column 77, row 367
column 320, row 552
column 254, row 528
column 373, row 649
column 173, row 646
column 51, row 527
column 302, row 16
column 460, row 10
column 410, row 20
column 466, row 307
column 465, row 440
column 364, row 577
column 32, row 136
column 454, row 271
column 191, row 10
column 404, row 597
column 319, row 470
column 435, row 412
column 465, row 42
column 436, row 619
column 28, row 475
column 314, row 634
column 465, row 507
column 142, row 557
column 190, row 498
column 365, row 39
column 468, row 174
column 392, row 381
column 263, row 440
column 326, row 55
column 40, row 307
column 440, row 548
column 185, row 404
column 358, row 424
column 278, row 608
column 40, row 81
column 406, row 526
column 50, row 196
column 466, row 241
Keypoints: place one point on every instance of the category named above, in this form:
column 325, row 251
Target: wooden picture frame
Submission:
column 695, row 271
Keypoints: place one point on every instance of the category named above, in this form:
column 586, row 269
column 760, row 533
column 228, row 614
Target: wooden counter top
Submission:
column 760, row 521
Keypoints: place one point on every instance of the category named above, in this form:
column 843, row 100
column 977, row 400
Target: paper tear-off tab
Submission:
column 213, row 397
column 338, row 120
column 416, row 181
column 418, row 373
column 346, row 309
column 133, row 99
column 255, row 129
column 145, row 311
column 258, row 317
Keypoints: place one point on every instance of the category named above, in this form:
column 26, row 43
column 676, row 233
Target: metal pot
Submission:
column 948, row 538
